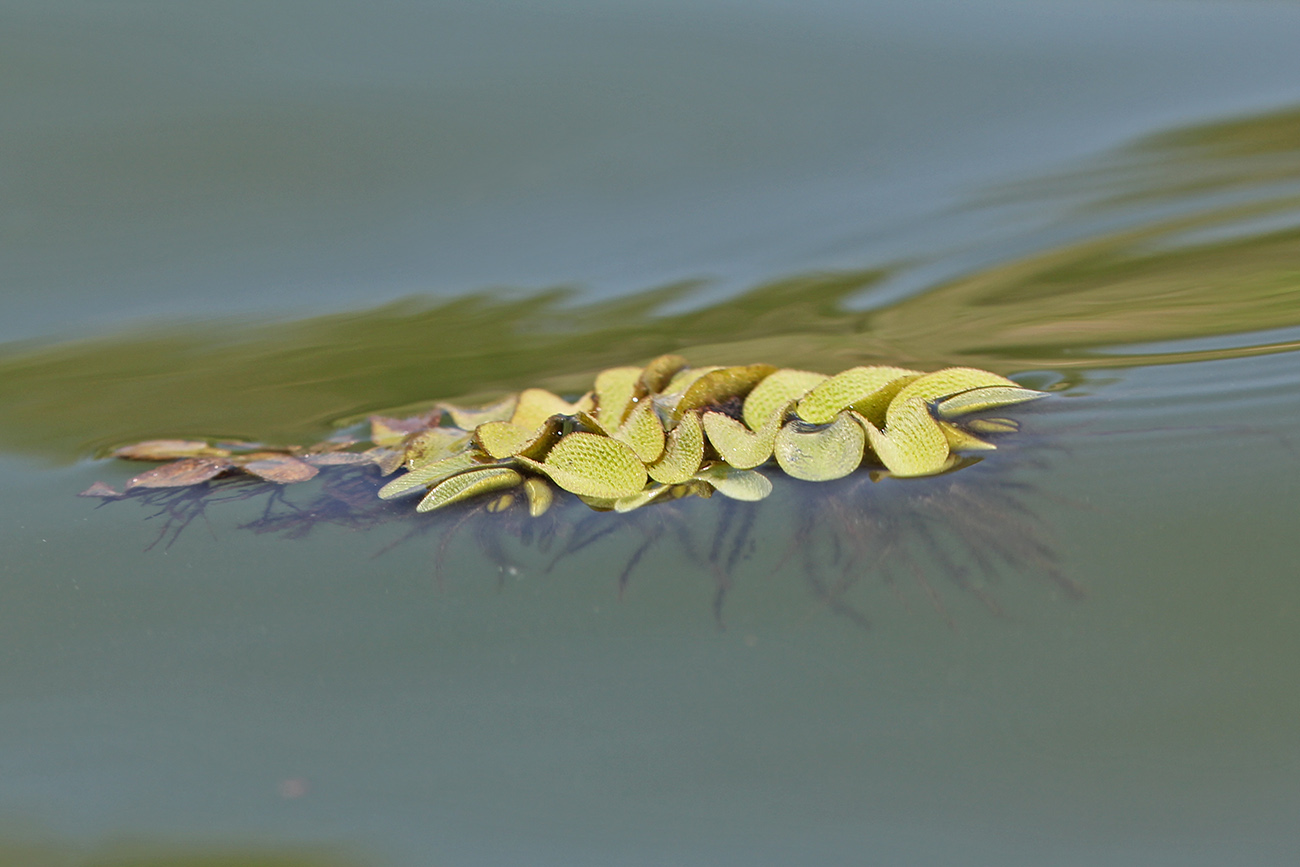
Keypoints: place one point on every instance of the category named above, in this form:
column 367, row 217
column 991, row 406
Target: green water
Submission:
column 268, row 220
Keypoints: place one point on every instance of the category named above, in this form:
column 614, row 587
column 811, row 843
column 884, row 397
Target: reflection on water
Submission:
column 1072, row 307
column 966, row 531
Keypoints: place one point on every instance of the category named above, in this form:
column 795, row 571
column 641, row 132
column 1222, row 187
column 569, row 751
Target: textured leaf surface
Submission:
column 980, row 399
column 659, row 372
column 642, row 432
column 536, row 405
column 737, row 444
column 822, row 454
column 683, row 452
column 615, row 389
column 747, row 485
column 429, row 474
column 857, row 384
column 434, row 444
column 595, row 466
column 469, row 484
column 776, row 391
column 720, row 385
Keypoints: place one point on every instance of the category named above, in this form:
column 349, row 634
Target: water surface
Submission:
column 267, row 220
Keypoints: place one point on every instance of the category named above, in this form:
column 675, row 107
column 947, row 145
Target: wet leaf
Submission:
column 179, row 474
column 642, row 432
column 536, row 405
column 639, row 499
column 337, row 459
column 721, row 385
column 282, row 469
column 737, row 444
column 659, row 372
column 823, row 453
column 593, row 466
column 392, row 432
column 99, row 489
column 980, row 399
column 615, row 389
column 993, row 425
column 388, row 460
column 857, row 385
column 961, row 440
column 434, row 444
column 747, row 485
column 683, row 452
column 429, row 474
column 540, row 495
column 169, row 450
column 686, row 377
column 470, row 418
column 467, row 485
column 775, row 391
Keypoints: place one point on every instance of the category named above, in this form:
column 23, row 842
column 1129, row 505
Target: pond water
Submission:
column 266, row 220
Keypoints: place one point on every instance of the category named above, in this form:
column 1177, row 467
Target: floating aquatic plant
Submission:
column 642, row 435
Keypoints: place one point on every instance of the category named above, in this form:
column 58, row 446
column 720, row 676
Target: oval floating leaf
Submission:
column 470, row 418
column 843, row 390
column 643, row 432
column 683, row 452
column 594, row 466
column 659, row 372
column 179, row 474
column 777, row 390
column 469, row 484
column 169, row 450
column 823, row 453
column 720, row 385
column 980, row 399
column 747, row 485
column 539, row 494
column 429, row 474
column 282, row 469
column 337, row 459
column 737, row 444
column 615, row 389
column 914, row 444
column 434, row 444
column 536, row 405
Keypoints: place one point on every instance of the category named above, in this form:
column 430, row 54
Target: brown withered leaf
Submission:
column 179, row 474
column 390, row 432
column 169, row 450
column 336, row 459
column 99, row 489
column 282, row 469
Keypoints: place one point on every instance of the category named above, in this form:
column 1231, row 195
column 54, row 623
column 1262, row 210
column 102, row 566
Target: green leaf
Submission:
column 820, row 454
column 469, row 484
column 747, row 485
column 429, row 474
column 683, row 452
column 594, row 466
column 776, row 391
column 857, row 384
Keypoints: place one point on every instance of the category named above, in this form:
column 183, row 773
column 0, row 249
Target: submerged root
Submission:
column 968, row 530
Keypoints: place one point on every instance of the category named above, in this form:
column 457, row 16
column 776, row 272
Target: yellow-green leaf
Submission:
column 659, row 372
column 539, row 494
column 593, row 466
column 913, row 445
column 993, row 425
column 615, row 389
column 429, row 474
column 434, row 444
column 747, row 485
column 777, row 390
column 502, row 439
column 468, row 419
column 980, row 399
column 961, row 440
column 720, row 385
column 536, row 405
column 643, row 432
column 469, row 484
column 822, row 453
column 857, row 384
column 738, row 445
column 683, row 452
